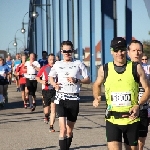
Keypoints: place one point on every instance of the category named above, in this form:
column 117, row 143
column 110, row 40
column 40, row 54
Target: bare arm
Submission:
column 97, row 84
column 37, row 68
column 52, row 81
column 145, row 85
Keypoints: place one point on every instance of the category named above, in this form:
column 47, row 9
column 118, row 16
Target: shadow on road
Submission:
column 19, row 104
column 87, row 147
column 41, row 148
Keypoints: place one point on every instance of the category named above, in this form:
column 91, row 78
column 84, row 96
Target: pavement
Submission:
column 21, row 129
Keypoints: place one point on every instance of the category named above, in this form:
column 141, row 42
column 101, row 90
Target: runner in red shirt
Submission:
column 48, row 92
column 20, row 71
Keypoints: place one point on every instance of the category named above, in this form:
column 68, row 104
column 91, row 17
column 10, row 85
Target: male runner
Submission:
column 32, row 67
column 9, row 63
column 135, row 52
column 48, row 92
column 15, row 64
column 68, row 72
column 121, row 80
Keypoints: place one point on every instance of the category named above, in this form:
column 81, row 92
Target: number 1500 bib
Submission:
column 121, row 98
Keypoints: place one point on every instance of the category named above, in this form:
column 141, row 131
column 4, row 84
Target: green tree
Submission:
column 146, row 47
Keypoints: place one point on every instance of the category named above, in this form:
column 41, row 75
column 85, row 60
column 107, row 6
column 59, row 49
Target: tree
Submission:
column 146, row 47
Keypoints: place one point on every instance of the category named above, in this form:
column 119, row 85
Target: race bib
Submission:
column 69, row 88
column 9, row 66
column 121, row 98
column 32, row 77
column 2, row 73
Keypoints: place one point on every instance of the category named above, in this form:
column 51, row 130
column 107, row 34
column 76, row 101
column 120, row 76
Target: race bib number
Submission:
column 121, row 98
column 69, row 87
column 32, row 77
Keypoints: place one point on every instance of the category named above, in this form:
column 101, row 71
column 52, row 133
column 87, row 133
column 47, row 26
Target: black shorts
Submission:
column 69, row 109
column 3, row 81
column 48, row 97
column 22, row 87
column 144, row 123
column 130, row 132
column 31, row 86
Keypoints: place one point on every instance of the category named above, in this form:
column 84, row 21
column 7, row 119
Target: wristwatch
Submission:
column 77, row 80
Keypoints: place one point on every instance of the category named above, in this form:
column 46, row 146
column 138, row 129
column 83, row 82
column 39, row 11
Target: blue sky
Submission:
column 13, row 11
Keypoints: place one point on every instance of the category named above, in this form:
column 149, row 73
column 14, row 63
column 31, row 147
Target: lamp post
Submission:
column 23, row 29
column 8, row 45
column 15, row 41
column 48, row 26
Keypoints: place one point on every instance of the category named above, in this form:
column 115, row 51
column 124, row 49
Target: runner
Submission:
column 20, row 71
column 48, row 92
column 68, row 88
column 121, row 80
column 135, row 52
column 9, row 63
column 32, row 67
column 4, row 71
column 43, row 61
column 15, row 64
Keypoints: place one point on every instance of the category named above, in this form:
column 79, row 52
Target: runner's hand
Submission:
column 96, row 101
column 134, row 111
column 43, row 82
column 4, row 75
column 57, row 86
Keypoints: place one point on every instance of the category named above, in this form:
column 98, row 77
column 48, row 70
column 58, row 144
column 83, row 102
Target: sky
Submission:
column 12, row 13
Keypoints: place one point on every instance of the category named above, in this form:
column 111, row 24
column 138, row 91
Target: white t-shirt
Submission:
column 31, row 71
column 73, row 69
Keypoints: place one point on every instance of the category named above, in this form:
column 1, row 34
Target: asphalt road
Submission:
column 21, row 129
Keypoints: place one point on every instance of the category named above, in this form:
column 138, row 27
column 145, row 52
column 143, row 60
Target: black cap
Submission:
column 118, row 42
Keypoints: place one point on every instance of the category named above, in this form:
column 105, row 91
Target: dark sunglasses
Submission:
column 117, row 50
column 144, row 59
column 67, row 51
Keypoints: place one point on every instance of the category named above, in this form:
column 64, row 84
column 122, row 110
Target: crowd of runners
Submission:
column 127, row 95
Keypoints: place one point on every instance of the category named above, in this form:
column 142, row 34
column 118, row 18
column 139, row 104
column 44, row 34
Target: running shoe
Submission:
column 25, row 106
column 51, row 129
column 18, row 89
column 33, row 107
column 46, row 120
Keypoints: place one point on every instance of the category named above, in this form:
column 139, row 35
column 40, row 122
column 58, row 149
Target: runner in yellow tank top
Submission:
column 121, row 80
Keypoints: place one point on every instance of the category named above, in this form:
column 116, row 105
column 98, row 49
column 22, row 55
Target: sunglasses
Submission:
column 66, row 51
column 144, row 59
column 117, row 50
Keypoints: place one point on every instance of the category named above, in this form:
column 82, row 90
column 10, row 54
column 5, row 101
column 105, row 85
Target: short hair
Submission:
column 145, row 56
column 23, row 54
column 135, row 41
column 1, row 58
column 69, row 43
column 44, row 52
column 51, row 54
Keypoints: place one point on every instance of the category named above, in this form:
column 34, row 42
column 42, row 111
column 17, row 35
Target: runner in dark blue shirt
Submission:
column 44, row 60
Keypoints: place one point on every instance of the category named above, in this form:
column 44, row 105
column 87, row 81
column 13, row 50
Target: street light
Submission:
column 15, row 41
column 23, row 29
column 35, row 14
column 8, row 45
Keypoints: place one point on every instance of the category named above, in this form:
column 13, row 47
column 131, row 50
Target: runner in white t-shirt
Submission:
column 32, row 67
column 68, row 72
